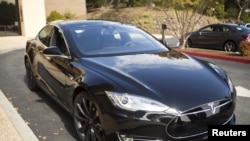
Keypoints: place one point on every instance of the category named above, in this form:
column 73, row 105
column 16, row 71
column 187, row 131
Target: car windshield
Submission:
column 92, row 40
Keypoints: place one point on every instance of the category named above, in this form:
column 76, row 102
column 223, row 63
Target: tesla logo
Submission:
column 212, row 108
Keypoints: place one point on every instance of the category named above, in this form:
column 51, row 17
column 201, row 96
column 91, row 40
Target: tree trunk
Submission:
column 239, row 14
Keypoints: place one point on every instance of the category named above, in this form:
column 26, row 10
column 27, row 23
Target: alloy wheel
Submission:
column 230, row 46
column 86, row 119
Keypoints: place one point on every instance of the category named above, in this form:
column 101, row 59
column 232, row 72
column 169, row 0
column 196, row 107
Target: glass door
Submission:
column 9, row 18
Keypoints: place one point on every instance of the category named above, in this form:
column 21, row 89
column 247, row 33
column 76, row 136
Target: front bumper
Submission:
column 122, row 125
column 154, row 132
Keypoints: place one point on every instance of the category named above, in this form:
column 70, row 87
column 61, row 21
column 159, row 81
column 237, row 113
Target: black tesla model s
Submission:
column 119, row 83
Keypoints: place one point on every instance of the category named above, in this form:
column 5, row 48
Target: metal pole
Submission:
column 164, row 27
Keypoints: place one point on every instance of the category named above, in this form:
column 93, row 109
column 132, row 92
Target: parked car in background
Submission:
column 225, row 37
column 245, row 24
column 120, row 83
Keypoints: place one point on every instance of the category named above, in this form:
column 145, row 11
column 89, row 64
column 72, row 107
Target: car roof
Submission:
column 231, row 25
column 228, row 24
column 61, row 23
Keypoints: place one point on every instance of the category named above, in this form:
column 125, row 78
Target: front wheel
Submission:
column 86, row 119
column 230, row 46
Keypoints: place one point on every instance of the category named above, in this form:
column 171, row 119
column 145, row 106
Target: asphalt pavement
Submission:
column 14, row 128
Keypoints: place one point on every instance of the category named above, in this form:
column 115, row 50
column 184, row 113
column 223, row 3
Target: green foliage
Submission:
column 228, row 9
column 231, row 12
column 182, row 4
column 144, row 20
column 219, row 11
column 245, row 17
column 69, row 15
column 139, row 2
column 54, row 15
column 160, row 3
column 96, row 3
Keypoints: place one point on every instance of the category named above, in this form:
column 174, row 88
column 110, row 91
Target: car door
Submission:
column 62, row 76
column 203, row 37
column 211, row 36
column 38, row 60
column 55, row 71
column 218, row 37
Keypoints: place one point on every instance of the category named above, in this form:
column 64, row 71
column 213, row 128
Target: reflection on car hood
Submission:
column 177, row 80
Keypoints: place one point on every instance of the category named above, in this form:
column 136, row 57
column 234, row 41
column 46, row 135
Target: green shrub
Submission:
column 54, row 15
column 245, row 17
column 69, row 15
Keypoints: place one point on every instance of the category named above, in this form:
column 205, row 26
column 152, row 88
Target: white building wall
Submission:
column 33, row 18
column 77, row 7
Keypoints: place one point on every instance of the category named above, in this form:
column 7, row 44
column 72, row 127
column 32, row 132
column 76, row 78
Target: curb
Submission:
column 213, row 55
column 241, row 60
column 17, row 128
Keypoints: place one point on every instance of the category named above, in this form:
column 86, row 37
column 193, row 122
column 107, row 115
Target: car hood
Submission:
column 175, row 79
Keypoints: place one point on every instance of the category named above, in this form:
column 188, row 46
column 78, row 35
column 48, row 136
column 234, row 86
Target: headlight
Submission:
column 135, row 103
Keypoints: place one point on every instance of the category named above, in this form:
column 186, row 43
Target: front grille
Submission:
column 194, row 122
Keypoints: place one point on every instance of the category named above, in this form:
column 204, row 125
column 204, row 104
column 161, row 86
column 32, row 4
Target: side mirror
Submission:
column 54, row 51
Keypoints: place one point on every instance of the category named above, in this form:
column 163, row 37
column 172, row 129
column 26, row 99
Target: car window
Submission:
column 45, row 34
column 58, row 41
column 225, row 29
column 207, row 29
column 220, row 28
column 106, row 40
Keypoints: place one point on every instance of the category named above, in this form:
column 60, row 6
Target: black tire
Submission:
column 31, row 82
column 86, row 119
column 230, row 46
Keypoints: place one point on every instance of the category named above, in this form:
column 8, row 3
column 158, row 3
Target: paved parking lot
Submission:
column 13, row 127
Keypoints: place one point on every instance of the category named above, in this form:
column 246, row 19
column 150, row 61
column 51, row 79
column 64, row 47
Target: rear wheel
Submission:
column 230, row 46
column 31, row 82
column 86, row 119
